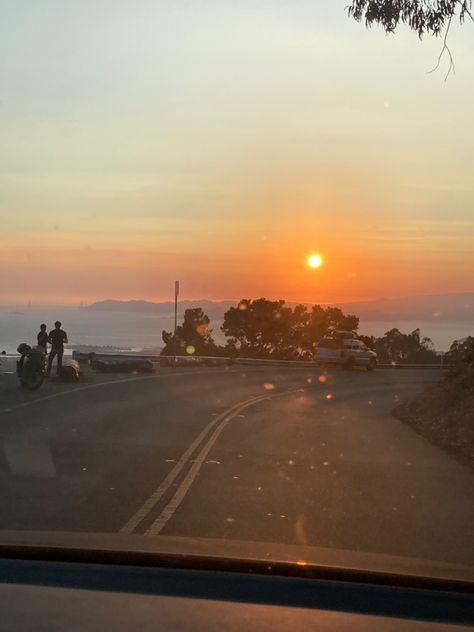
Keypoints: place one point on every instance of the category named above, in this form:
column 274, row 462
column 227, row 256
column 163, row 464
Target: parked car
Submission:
column 344, row 349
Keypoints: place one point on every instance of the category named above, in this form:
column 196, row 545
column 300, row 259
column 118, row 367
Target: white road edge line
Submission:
column 183, row 489
column 149, row 504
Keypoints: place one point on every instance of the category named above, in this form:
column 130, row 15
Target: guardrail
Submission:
column 192, row 360
column 8, row 361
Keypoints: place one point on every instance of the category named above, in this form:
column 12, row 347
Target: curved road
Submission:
column 284, row 455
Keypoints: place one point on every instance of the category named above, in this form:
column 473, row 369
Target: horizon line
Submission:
column 84, row 304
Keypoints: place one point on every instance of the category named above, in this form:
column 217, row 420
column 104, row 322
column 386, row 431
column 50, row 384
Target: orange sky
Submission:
column 222, row 145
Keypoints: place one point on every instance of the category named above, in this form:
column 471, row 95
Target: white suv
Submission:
column 342, row 348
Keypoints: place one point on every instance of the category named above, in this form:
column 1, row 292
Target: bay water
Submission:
column 129, row 330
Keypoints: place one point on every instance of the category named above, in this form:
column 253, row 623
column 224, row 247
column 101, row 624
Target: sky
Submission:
column 220, row 143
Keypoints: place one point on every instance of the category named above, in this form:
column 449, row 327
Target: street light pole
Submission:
column 176, row 294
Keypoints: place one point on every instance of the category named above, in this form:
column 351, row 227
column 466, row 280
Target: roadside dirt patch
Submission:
column 444, row 414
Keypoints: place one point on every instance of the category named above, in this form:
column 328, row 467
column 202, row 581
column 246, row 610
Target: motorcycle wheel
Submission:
column 34, row 381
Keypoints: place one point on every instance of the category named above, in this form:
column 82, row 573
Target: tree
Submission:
column 259, row 328
column 321, row 321
column 423, row 16
column 426, row 17
column 394, row 346
column 369, row 341
column 192, row 337
column 270, row 329
column 461, row 352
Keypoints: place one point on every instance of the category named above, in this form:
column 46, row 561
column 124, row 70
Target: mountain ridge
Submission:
column 456, row 306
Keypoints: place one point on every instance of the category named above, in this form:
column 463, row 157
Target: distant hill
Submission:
column 431, row 307
column 214, row 309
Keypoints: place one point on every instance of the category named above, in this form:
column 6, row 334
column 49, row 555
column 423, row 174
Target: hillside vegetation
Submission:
column 444, row 414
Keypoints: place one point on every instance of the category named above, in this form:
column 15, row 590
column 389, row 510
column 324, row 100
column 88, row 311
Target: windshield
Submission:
column 210, row 211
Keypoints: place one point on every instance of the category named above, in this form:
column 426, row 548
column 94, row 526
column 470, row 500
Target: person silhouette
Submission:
column 42, row 338
column 57, row 337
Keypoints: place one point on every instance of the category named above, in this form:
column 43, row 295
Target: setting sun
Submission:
column 314, row 261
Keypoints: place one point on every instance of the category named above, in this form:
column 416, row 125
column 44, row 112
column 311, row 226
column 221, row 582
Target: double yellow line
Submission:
column 215, row 426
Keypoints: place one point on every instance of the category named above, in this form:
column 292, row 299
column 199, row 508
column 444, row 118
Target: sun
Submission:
column 314, row 261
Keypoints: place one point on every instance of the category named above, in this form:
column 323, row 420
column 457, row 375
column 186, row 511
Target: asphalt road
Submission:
column 292, row 456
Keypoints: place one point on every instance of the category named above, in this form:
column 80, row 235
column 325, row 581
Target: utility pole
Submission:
column 176, row 294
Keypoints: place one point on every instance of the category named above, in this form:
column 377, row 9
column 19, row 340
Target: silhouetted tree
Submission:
column 192, row 337
column 461, row 352
column 259, row 328
column 319, row 322
column 423, row 16
column 369, row 341
column 269, row 329
column 395, row 346
column 426, row 17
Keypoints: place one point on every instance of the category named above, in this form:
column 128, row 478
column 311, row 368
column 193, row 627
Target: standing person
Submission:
column 57, row 337
column 42, row 338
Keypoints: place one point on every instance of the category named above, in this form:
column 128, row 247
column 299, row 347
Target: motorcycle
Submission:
column 30, row 367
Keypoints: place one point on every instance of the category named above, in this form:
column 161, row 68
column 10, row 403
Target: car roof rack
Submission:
column 337, row 333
